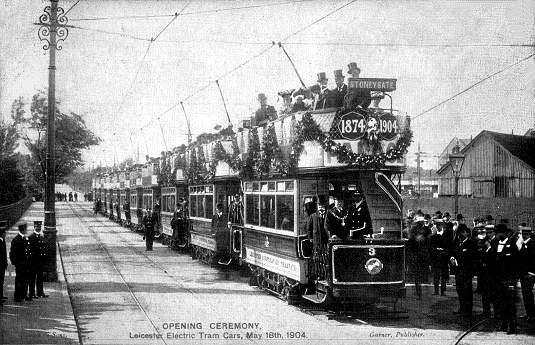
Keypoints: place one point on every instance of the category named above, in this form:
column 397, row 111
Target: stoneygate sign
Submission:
column 372, row 84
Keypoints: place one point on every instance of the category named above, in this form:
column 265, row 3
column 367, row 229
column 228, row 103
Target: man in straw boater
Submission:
column 38, row 257
column 3, row 259
column 20, row 255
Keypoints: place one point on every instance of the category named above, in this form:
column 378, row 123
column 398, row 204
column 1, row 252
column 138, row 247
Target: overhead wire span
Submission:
column 474, row 85
column 70, row 8
column 189, row 13
column 260, row 53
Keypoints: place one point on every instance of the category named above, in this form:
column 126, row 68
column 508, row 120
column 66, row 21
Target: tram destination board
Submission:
column 372, row 84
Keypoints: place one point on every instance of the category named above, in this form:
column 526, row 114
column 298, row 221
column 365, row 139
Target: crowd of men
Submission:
column 318, row 96
column 68, row 197
column 495, row 253
column 28, row 255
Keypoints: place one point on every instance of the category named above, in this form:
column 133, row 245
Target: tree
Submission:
column 11, row 177
column 72, row 137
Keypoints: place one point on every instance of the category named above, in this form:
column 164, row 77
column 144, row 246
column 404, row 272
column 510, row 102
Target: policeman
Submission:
column 38, row 249
column 527, row 280
column 3, row 259
column 20, row 255
column 461, row 260
column 439, row 244
column 335, row 223
column 148, row 224
column 507, row 264
column 359, row 221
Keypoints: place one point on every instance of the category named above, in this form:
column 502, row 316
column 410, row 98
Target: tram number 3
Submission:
column 371, row 251
column 353, row 126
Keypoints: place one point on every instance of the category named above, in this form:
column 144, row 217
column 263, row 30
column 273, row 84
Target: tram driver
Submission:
column 358, row 219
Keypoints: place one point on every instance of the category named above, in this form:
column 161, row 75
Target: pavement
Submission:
column 40, row 321
column 122, row 294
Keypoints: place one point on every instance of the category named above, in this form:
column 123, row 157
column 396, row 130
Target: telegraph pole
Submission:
column 418, row 161
column 52, row 31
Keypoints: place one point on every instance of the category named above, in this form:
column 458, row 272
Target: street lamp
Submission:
column 456, row 159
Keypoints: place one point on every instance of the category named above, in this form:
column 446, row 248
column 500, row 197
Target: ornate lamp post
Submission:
column 456, row 159
column 52, row 31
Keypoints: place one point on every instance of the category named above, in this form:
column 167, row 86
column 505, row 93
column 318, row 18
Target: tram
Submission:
column 136, row 197
column 124, row 198
column 320, row 213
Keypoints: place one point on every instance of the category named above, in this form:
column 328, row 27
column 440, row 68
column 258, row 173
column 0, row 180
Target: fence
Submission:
column 13, row 212
column 516, row 210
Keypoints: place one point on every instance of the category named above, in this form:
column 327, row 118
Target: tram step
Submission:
column 313, row 298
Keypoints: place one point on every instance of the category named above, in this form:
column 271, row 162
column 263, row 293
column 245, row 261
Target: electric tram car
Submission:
column 124, row 197
column 136, row 197
column 344, row 160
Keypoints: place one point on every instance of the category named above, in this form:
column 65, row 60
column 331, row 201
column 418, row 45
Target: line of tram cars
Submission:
column 272, row 243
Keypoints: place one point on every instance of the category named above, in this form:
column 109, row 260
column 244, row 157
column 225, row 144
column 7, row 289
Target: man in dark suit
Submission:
column 265, row 113
column 461, row 260
column 318, row 235
column 220, row 228
column 527, row 280
column 439, row 244
column 38, row 257
column 3, row 259
column 335, row 222
column 20, row 255
column 508, row 267
column 148, row 224
column 236, row 210
column 418, row 251
column 341, row 88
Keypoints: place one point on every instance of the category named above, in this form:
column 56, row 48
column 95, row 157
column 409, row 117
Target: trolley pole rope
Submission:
column 224, row 104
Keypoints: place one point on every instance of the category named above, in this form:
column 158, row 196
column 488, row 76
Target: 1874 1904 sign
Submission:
column 354, row 126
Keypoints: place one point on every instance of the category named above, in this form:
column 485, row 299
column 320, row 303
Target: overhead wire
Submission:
column 474, row 85
column 189, row 13
column 70, row 8
column 260, row 53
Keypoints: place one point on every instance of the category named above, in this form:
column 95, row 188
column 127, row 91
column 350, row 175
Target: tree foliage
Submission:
column 72, row 137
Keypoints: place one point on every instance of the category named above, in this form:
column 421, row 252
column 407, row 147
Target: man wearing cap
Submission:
column 335, row 222
column 359, row 221
column 439, row 244
column 38, row 249
column 509, row 271
column 357, row 97
column 20, row 254
column 418, row 251
column 3, row 259
column 527, row 279
column 340, row 91
column 236, row 210
column 461, row 260
column 265, row 113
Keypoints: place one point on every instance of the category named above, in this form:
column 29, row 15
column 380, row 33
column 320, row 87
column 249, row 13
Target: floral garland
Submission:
column 272, row 154
column 220, row 155
column 308, row 129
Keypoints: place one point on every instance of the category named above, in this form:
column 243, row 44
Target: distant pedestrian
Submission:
column 462, row 262
column 70, row 196
column 20, row 255
column 527, row 280
column 3, row 259
column 38, row 257
column 75, row 196
column 148, row 225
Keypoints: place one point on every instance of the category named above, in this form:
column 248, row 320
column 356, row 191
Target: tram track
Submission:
column 153, row 263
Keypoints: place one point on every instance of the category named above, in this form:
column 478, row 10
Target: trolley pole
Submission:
column 52, row 31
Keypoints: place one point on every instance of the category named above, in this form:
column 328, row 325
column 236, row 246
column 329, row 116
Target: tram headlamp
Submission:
column 373, row 266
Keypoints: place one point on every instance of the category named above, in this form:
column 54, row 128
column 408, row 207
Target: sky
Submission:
column 129, row 90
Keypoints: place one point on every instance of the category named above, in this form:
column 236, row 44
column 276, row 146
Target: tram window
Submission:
column 252, row 209
column 200, row 206
column 193, row 206
column 209, row 202
column 256, row 187
column 281, row 186
column 248, row 187
column 289, row 186
column 285, row 212
column 271, row 186
column 267, row 211
column 264, row 187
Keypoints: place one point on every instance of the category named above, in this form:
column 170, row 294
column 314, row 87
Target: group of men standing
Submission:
column 28, row 255
column 494, row 253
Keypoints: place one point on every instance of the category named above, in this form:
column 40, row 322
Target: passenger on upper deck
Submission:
column 341, row 88
column 322, row 91
column 356, row 97
column 265, row 113
column 286, row 97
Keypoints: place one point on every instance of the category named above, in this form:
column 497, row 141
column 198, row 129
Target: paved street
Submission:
column 123, row 295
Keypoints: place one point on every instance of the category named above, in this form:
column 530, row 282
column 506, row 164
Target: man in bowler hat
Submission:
column 3, row 259
column 38, row 257
column 20, row 255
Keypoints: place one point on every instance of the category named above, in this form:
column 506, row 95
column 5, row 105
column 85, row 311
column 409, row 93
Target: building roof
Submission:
column 520, row 146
